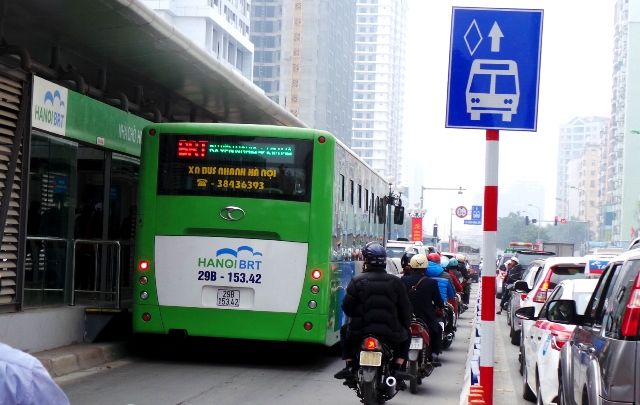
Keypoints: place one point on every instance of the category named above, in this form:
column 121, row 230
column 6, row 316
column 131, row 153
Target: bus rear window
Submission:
column 235, row 166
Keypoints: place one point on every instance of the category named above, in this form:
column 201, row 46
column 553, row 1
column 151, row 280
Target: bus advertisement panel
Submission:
column 249, row 231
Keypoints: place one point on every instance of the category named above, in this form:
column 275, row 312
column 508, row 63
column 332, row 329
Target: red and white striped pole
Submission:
column 488, row 301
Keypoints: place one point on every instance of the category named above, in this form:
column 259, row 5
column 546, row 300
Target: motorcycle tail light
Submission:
column 371, row 343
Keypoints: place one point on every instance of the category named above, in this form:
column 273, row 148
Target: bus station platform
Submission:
column 79, row 357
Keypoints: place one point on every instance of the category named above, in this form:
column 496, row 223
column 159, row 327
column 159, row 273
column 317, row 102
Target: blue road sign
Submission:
column 494, row 68
column 476, row 216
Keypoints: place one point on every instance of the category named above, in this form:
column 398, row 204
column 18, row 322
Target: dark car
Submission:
column 601, row 362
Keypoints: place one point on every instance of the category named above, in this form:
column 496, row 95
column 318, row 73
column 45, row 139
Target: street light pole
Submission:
column 459, row 190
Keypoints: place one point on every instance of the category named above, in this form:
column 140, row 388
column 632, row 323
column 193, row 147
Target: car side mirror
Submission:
column 527, row 313
column 521, row 287
column 562, row 311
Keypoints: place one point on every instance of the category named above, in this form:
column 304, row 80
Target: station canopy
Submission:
column 137, row 48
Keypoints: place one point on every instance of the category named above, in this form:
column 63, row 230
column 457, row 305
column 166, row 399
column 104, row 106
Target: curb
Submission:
column 471, row 372
column 70, row 359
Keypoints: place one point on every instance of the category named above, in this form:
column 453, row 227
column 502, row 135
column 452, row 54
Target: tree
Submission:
column 512, row 228
column 572, row 232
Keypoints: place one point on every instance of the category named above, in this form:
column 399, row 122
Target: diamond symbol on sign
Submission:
column 473, row 37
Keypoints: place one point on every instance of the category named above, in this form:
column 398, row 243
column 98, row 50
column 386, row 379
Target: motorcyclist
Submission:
column 377, row 304
column 462, row 268
column 514, row 273
column 405, row 260
column 445, row 284
column 452, row 270
column 425, row 298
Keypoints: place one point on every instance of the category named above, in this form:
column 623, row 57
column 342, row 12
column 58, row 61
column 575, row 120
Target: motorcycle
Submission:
column 448, row 324
column 419, row 363
column 375, row 384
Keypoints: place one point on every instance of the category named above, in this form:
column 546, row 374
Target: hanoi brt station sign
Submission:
column 494, row 68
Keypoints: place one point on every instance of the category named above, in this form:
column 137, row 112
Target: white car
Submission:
column 545, row 339
column 555, row 270
column 395, row 250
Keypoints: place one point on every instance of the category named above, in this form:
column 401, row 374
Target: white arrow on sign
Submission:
column 495, row 34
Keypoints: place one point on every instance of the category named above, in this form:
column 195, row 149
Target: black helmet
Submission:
column 374, row 254
column 406, row 258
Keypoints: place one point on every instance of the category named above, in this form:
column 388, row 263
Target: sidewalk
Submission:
column 507, row 383
column 70, row 359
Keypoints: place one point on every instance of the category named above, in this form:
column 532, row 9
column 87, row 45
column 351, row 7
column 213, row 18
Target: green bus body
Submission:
column 324, row 227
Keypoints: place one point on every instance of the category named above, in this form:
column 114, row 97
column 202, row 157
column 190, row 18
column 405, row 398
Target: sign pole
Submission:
column 490, row 227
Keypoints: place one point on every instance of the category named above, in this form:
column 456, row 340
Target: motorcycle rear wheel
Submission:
column 413, row 382
column 369, row 392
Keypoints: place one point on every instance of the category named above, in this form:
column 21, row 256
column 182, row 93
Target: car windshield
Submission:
column 559, row 273
column 526, row 258
column 581, row 299
column 395, row 252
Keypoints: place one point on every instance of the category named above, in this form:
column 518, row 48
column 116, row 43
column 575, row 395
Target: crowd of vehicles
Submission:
column 254, row 232
column 576, row 321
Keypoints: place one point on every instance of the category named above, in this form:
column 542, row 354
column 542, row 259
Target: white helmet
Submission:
column 418, row 262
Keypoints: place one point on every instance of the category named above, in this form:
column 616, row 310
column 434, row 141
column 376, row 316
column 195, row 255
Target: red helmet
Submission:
column 433, row 257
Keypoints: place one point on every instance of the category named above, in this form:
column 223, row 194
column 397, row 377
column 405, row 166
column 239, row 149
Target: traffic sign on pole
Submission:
column 494, row 68
column 476, row 216
column 461, row 212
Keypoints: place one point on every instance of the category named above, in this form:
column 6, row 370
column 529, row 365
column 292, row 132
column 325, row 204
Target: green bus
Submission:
column 250, row 231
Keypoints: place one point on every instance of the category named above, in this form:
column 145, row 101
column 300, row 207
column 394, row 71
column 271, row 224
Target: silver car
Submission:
column 601, row 362
column 530, row 276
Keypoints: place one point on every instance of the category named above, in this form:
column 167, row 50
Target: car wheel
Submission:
column 515, row 336
column 521, row 358
column 526, row 391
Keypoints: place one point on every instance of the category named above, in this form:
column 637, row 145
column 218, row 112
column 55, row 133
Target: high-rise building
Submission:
column 220, row 27
column 304, row 59
column 623, row 192
column 573, row 138
column 378, row 88
column 589, row 186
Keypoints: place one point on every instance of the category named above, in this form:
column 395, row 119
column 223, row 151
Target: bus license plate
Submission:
column 228, row 298
column 370, row 358
column 416, row 343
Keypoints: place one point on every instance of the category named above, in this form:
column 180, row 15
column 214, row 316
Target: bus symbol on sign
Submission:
column 461, row 212
column 494, row 68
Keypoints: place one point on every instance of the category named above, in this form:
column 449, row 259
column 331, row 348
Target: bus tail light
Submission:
column 308, row 326
column 313, row 304
column 146, row 317
column 322, row 139
column 143, row 280
column 631, row 318
column 315, row 289
column 143, row 265
column 316, row 274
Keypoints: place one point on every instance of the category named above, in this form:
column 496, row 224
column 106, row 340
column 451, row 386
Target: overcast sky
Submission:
column 575, row 81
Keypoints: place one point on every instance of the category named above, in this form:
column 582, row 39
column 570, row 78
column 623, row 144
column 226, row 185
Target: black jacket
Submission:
column 514, row 274
column 426, row 298
column 377, row 304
